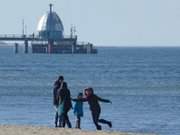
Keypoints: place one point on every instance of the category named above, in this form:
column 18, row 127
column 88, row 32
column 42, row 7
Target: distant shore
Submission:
column 31, row 130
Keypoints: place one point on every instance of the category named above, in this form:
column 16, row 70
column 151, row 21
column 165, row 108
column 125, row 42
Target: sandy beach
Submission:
column 30, row 130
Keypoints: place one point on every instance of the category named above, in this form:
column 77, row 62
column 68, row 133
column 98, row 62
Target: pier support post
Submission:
column 26, row 46
column 73, row 49
column 89, row 48
column 49, row 48
column 16, row 48
column 74, row 46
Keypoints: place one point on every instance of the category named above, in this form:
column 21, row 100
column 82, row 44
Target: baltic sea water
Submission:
column 143, row 84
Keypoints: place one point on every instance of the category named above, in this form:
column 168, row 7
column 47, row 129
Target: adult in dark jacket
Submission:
column 93, row 101
column 57, row 86
column 65, row 99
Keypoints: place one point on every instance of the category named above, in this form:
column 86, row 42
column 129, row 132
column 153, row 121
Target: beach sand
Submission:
column 30, row 130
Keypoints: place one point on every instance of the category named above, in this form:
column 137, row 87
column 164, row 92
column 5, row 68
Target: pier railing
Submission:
column 15, row 36
column 11, row 37
column 32, row 37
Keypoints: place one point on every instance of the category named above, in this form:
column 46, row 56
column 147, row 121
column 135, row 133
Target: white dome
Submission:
column 50, row 26
column 50, row 22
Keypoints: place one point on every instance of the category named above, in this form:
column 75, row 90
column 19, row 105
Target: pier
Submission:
column 50, row 38
column 24, row 38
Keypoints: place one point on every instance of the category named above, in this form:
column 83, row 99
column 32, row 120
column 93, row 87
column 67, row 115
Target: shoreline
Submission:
column 43, row 130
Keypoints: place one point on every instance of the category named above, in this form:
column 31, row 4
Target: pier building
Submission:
column 51, row 37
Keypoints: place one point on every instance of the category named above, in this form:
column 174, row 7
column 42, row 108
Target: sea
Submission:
column 143, row 84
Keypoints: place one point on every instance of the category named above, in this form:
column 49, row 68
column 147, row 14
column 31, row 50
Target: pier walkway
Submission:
column 15, row 37
column 29, row 38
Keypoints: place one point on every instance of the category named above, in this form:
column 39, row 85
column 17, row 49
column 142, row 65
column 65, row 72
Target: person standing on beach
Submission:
column 93, row 101
column 95, row 108
column 78, row 109
column 64, row 106
column 57, row 86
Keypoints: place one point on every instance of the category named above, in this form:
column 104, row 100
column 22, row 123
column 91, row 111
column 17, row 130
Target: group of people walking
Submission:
column 62, row 101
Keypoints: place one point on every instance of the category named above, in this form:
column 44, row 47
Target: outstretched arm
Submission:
column 103, row 100
column 82, row 99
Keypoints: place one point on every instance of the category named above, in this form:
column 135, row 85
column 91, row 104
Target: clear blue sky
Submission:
column 102, row 22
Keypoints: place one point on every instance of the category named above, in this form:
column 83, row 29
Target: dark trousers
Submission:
column 62, row 119
column 56, row 119
column 65, row 120
column 96, row 120
column 78, row 122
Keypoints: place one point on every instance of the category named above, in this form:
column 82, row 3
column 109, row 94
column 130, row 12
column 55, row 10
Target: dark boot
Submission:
column 56, row 120
column 61, row 120
column 99, row 127
column 78, row 124
column 67, row 121
column 106, row 122
column 110, row 124
column 69, row 124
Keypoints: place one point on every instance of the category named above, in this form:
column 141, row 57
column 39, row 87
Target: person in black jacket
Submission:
column 57, row 86
column 93, row 101
column 66, row 105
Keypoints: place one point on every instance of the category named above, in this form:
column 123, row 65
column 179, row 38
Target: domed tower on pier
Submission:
column 51, row 38
column 50, row 26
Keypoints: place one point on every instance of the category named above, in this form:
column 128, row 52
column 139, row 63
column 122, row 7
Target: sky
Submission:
column 101, row 22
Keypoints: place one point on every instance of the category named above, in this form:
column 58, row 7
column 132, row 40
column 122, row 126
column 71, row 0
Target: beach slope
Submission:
column 30, row 130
